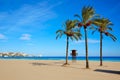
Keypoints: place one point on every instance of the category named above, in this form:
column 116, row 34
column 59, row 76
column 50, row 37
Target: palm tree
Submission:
column 88, row 14
column 103, row 26
column 70, row 33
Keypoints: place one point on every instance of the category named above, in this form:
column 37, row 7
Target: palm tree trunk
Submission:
column 67, row 46
column 86, row 47
column 101, row 49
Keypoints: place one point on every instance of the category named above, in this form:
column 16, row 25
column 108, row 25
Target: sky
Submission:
column 30, row 26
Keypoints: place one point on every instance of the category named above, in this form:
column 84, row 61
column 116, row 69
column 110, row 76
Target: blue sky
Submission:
column 29, row 26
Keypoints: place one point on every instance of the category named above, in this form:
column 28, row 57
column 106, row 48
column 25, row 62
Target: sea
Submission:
column 111, row 59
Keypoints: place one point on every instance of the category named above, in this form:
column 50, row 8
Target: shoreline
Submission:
column 55, row 60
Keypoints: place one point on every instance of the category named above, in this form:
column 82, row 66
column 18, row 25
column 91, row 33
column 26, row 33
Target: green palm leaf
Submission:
column 109, row 28
column 87, row 13
column 112, row 36
column 69, row 29
column 59, row 33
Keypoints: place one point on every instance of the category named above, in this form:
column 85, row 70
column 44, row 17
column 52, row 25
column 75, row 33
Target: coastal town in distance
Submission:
column 17, row 54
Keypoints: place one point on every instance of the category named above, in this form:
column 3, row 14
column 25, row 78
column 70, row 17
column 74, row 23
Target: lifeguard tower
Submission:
column 74, row 54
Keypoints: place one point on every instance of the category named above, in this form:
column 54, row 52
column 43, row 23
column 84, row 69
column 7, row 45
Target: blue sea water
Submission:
column 113, row 59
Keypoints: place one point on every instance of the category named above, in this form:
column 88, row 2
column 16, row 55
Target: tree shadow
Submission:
column 60, row 64
column 46, row 64
column 108, row 71
column 39, row 64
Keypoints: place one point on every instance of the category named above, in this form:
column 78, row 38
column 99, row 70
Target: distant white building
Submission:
column 12, row 54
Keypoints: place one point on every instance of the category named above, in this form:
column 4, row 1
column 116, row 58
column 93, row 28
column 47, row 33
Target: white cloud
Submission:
column 2, row 37
column 25, row 37
column 89, row 41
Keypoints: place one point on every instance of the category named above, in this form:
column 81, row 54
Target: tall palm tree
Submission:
column 103, row 26
column 88, row 14
column 70, row 33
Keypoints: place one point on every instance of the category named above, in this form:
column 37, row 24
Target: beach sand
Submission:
column 53, row 70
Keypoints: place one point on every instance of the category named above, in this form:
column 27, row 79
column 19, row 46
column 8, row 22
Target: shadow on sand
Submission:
column 60, row 64
column 108, row 71
column 39, row 64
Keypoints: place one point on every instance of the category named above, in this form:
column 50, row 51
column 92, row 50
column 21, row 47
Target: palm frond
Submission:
column 97, row 22
column 76, row 15
column 103, row 23
column 59, row 33
column 112, row 36
column 75, row 21
column 92, row 27
column 75, row 37
column 57, row 36
column 72, row 24
column 72, row 38
column 87, row 13
column 70, row 30
column 78, row 34
column 67, row 24
column 109, row 28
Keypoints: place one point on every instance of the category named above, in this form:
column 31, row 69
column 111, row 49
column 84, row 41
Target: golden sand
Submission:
column 53, row 70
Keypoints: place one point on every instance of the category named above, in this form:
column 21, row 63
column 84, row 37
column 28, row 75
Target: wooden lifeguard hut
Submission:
column 74, row 54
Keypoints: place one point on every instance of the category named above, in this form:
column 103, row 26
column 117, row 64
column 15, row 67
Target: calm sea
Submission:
column 113, row 59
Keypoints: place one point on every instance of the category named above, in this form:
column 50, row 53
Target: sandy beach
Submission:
column 53, row 70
